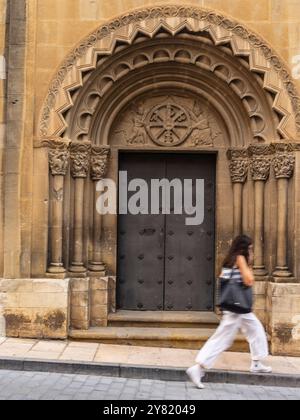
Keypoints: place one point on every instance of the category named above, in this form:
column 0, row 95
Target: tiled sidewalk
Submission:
column 144, row 356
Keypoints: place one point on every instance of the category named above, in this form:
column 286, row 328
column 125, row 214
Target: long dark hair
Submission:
column 240, row 246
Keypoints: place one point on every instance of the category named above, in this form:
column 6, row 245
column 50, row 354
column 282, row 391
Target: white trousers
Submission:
column 224, row 337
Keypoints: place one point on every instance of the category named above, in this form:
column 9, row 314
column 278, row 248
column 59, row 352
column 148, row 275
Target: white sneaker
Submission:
column 258, row 367
column 195, row 375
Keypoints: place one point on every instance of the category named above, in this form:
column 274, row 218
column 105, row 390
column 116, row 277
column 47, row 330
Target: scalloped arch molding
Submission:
column 149, row 21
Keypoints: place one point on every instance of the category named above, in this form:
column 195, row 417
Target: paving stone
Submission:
column 51, row 386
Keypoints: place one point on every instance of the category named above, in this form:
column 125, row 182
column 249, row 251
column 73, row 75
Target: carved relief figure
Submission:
column 137, row 131
column 205, row 128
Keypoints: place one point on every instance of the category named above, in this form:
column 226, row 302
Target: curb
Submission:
column 147, row 372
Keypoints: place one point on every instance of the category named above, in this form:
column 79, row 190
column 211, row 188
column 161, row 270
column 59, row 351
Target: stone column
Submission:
column 283, row 164
column 239, row 165
column 260, row 170
column 99, row 161
column 59, row 163
column 80, row 159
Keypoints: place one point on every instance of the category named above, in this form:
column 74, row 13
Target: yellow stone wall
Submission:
column 62, row 23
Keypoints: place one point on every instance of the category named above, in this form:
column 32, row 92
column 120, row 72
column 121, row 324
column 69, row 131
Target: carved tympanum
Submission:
column 169, row 122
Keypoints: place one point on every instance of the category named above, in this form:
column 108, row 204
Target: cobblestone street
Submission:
column 51, row 386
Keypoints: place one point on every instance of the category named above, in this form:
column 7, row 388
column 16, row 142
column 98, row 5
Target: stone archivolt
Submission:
column 149, row 23
column 188, row 54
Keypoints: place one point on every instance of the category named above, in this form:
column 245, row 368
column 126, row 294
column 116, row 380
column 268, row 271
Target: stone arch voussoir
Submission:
column 149, row 23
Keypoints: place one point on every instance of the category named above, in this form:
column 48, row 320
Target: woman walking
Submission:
column 237, row 268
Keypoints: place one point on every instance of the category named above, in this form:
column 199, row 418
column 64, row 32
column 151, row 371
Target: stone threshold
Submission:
column 176, row 338
column 147, row 372
column 163, row 318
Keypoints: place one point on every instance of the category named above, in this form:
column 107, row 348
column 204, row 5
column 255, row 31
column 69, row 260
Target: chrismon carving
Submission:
column 99, row 162
column 223, row 30
column 284, row 165
column 80, row 159
column 169, row 122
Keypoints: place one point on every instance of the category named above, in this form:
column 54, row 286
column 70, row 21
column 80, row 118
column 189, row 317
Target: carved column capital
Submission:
column 239, row 165
column 80, row 159
column 260, row 168
column 284, row 165
column 59, row 156
column 99, row 162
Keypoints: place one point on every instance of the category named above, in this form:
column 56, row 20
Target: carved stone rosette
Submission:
column 99, row 166
column 58, row 156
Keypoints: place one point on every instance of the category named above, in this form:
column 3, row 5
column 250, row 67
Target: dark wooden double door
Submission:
column 163, row 263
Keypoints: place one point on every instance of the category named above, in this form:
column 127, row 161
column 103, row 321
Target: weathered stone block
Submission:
column 283, row 305
column 36, row 308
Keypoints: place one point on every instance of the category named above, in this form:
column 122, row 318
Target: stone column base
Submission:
column 80, row 303
column 103, row 300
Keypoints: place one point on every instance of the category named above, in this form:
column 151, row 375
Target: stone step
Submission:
column 182, row 338
column 163, row 319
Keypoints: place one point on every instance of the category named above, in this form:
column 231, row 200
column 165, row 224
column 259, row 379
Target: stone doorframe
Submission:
column 112, row 69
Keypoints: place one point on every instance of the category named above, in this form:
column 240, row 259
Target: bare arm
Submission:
column 246, row 271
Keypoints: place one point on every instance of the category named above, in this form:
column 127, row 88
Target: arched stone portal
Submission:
column 235, row 99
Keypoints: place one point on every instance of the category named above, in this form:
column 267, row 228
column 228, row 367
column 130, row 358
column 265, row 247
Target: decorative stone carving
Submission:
column 239, row 170
column 170, row 122
column 233, row 154
column 59, row 160
column 260, row 168
column 284, row 165
column 58, row 194
column 99, row 161
column 190, row 16
column 80, row 159
column 136, row 135
column 204, row 128
column 153, row 54
column 261, row 150
column 239, row 165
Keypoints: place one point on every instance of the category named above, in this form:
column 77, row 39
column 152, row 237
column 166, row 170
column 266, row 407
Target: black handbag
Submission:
column 235, row 296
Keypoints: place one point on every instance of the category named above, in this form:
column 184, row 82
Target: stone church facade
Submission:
column 206, row 89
